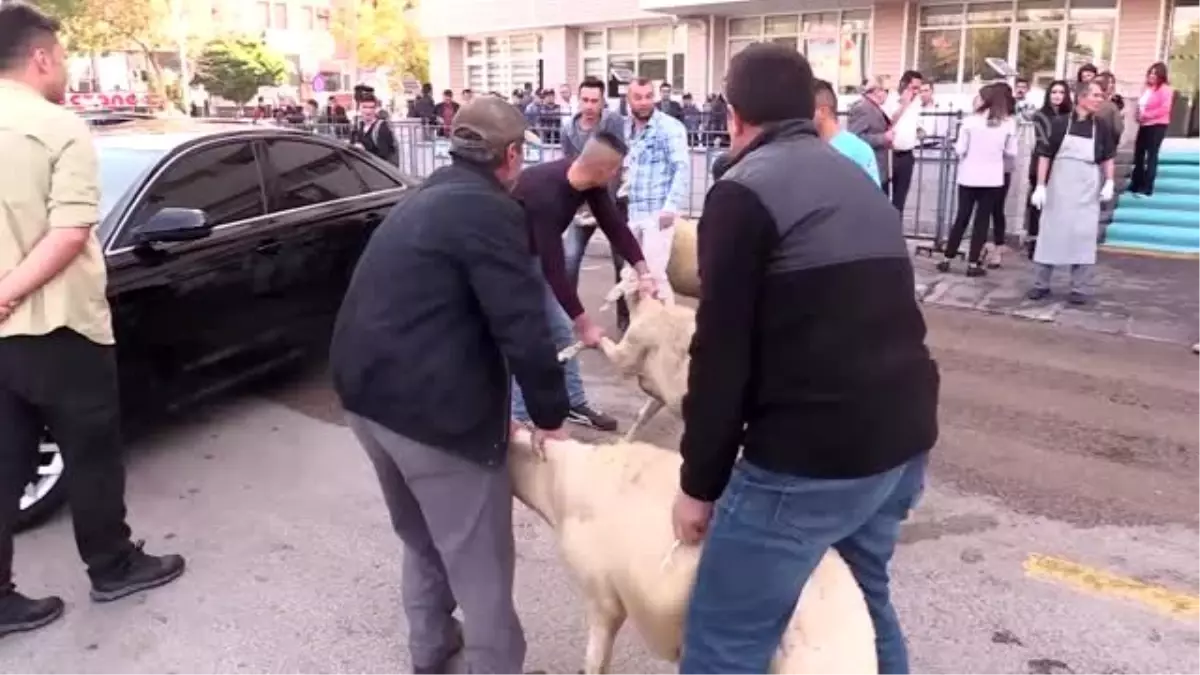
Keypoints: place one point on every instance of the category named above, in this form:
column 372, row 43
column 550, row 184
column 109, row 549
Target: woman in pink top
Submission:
column 1154, row 113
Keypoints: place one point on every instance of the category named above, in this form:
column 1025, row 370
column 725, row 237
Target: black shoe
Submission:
column 450, row 662
column 19, row 614
column 586, row 416
column 944, row 266
column 139, row 572
column 1037, row 293
column 976, row 270
column 1077, row 298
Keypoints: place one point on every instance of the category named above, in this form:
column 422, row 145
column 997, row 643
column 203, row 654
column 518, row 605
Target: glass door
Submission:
column 1183, row 45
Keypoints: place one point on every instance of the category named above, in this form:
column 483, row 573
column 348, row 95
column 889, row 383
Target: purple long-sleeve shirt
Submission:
column 550, row 205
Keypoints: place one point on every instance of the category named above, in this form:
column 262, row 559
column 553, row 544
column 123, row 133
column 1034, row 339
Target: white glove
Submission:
column 1106, row 192
column 1038, row 198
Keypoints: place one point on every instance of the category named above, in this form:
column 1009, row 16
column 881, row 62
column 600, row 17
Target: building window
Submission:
column 264, row 15
column 502, row 64
column 1043, row 39
column 279, row 20
column 655, row 51
column 836, row 43
column 308, row 15
column 323, row 19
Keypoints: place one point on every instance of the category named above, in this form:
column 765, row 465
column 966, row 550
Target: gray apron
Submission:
column 1071, row 216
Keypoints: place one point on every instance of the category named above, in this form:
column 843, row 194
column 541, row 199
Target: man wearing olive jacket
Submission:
column 443, row 306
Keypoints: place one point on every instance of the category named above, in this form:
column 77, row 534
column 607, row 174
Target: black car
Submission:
column 229, row 248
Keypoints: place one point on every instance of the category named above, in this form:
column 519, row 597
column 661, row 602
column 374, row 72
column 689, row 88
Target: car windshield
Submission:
column 120, row 168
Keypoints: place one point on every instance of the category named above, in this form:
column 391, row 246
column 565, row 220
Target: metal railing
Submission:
column 929, row 210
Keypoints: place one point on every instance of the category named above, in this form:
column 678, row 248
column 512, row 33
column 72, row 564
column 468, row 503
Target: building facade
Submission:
column 499, row 45
column 297, row 29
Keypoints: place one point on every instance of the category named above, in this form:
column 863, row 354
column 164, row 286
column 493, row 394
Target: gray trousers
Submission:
column 1080, row 274
column 455, row 519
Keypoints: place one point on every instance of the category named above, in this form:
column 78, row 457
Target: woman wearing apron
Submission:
column 1081, row 148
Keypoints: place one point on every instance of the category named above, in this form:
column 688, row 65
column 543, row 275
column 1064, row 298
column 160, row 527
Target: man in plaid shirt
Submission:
column 657, row 176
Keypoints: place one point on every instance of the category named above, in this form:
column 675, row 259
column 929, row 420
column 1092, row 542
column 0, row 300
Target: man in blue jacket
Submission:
column 443, row 306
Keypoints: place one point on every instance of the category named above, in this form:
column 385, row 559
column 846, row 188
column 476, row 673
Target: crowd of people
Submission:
column 548, row 110
column 433, row 374
column 802, row 332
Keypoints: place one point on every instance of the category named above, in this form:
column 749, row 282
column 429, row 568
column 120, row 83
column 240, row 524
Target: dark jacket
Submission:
column 445, row 302
column 672, row 108
column 809, row 354
column 867, row 120
column 378, row 139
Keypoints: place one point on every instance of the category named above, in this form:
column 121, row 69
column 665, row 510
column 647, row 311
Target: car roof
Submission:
column 167, row 133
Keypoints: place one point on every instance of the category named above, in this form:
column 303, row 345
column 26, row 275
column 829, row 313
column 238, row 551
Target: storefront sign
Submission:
column 117, row 99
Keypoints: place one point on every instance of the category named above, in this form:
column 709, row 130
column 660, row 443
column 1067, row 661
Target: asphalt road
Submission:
column 1058, row 534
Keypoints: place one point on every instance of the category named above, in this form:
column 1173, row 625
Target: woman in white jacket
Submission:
column 985, row 139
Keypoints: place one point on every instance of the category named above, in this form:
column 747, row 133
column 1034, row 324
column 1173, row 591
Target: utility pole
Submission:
column 179, row 33
column 353, row 42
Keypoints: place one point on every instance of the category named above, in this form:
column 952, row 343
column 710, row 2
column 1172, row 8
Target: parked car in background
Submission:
column 229, row 248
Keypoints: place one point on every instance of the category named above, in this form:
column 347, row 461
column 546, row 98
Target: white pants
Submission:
column 656, row 247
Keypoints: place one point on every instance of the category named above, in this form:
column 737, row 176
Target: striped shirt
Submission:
column 658, row 167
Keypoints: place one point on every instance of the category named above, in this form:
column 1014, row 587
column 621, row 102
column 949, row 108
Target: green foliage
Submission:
column 383, row 34
column 234, row 69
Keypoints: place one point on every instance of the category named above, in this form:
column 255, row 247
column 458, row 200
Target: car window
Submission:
column 120, row 170
column 376, row 179
column 311, row 173
column 223, row 181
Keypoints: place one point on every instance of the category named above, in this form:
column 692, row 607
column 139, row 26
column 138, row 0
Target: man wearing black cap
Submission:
column 443, row 306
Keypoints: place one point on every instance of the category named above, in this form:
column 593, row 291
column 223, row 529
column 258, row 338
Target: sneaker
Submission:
column 976, row 270
column 19, row 614
column 1077, row 298
column 943, row 266
column 140, row 572
column 587, row 416
column 1037, row 293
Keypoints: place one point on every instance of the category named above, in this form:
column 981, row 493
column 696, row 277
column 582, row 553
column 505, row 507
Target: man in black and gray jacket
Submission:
column 443, row 306
column 809, row 360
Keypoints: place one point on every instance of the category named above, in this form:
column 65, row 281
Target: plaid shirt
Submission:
column 658, row 167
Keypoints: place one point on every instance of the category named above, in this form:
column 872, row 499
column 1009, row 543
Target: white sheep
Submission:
column 654, row 349
column 610, row 507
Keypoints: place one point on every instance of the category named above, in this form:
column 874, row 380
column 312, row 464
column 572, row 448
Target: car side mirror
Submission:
column 173, row 224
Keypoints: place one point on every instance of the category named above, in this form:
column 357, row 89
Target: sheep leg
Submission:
column 650, row 409
column 603, row 624
column 624, row 356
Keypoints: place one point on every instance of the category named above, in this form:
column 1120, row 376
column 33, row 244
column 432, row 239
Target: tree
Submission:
column 95, row 27
column 383, row 34
column 234, row 69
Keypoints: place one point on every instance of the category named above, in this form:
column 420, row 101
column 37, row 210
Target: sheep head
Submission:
column 626, row 288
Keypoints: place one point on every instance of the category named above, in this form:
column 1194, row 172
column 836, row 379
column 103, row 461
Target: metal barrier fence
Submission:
column 929, row 210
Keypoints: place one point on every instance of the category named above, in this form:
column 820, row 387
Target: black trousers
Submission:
column 999, row 222
column 980, row 201
column 903, row 163
column 1145, row 158
column 67, row 384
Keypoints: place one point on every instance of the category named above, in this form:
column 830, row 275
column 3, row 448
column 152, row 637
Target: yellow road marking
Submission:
column 1099, row 582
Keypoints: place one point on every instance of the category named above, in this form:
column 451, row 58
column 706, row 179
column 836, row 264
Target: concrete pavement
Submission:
column 1058, row 532
column 1143, row 297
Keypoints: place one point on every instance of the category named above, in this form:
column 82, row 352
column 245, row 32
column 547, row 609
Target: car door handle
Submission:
column 270, row 247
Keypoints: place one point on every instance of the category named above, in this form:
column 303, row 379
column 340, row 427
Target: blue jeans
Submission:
column 563, row 333
column 768, row 534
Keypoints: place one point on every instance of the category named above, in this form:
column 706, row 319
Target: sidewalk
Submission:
column 1142, row 297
